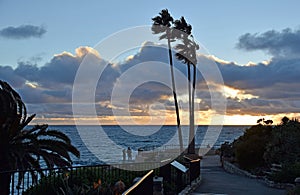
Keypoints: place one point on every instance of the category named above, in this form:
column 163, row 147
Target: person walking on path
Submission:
column 124, row 154
column 129, row 153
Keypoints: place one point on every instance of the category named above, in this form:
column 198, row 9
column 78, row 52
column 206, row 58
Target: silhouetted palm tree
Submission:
column 187, row 54
column 22, row 149
column 162, row 25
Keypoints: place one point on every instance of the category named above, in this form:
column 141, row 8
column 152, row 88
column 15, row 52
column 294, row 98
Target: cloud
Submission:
column 278, row 71
column 265, row 88
column 261, row 88
column 59, row 71
column 8, row 74
column 51, row 82
column 279, row 44
column 23, row 32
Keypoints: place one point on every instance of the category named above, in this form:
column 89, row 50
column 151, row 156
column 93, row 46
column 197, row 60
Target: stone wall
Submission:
column 191, row 188
column 231, row 168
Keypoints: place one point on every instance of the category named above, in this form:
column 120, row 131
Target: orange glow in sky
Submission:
column 203, row 118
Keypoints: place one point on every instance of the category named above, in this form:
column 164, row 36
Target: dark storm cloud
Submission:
column 150, row 92
column 50, row 83
column 285, row 43
column 278, row 71
column 276, row 84
column 262, row 106
column 27, row 70
column 150, row 51
column 23, row 32
column 8, row 74
column 61, row 69
column 50, row 86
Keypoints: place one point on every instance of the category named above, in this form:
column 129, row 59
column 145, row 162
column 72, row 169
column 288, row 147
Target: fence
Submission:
column 59, row 179
column 28, row 181
column 24, row 181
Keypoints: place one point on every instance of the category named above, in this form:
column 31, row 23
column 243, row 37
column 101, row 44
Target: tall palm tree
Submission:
column 22, row 149
column 162, row 24
column 187, row 54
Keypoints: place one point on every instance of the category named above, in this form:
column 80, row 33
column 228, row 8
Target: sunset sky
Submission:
column 255, row 46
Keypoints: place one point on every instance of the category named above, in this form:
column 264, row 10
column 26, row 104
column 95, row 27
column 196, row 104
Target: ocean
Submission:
column 104, row 144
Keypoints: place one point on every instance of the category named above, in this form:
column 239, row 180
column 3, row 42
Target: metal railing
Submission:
column 25, row 181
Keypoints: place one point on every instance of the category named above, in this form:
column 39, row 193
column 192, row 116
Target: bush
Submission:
column 295, row 191
column 83, row 180
column 262, row 145
column 288, row 174
column 285, row 137
column 227, row 150
column 250, row 147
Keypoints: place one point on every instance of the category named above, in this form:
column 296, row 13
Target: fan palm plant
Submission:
column 187, row 54
column 22, row 149
column 162, row 25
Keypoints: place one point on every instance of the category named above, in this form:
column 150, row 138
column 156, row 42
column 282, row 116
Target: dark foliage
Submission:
column 23, row 149
column 249, row 149
column 264, row 145
column 284, row 144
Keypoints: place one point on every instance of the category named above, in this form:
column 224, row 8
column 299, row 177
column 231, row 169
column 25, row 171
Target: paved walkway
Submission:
column 216, row 181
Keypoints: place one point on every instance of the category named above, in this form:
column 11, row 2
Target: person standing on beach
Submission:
column 124, row 154
column 129, row 153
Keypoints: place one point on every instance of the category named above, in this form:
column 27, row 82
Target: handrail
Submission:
column 138, row 183
column 77, row 167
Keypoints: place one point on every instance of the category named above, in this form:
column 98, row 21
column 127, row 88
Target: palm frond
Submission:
column 183, row 29
column 24, row 149
column 55, row 146
column 57, row 135
column 162, row 24
column 26, row 121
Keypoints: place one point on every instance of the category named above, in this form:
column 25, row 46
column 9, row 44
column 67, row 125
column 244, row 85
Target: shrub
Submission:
column 250, row 147
column 262, row 145
column 84, row 180
column 287, row 174
column 285, row 137
column 295, row 191
column 227, row 150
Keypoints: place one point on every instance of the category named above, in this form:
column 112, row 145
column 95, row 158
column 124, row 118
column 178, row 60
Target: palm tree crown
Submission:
column 183, row 29
column 187, row 51
column 162, row 24
column 26, row 149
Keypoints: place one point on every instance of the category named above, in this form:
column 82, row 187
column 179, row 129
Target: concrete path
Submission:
column 216, row 181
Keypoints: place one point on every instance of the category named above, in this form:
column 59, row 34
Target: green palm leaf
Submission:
column 57, row 135
column 22, row 149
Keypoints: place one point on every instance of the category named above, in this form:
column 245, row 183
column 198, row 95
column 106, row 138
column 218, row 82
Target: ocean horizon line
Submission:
column 244, row 125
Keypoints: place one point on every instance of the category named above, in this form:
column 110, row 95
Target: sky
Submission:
column 254, row 45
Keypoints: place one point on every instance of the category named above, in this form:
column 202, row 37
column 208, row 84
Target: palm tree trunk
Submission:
column 191, row 147
column 193, row 109
column 175, row 97
column 190, row 106
column 189, row 88
column 5, row 183
column 5, row 176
